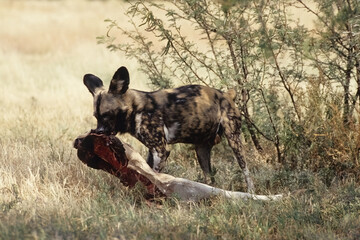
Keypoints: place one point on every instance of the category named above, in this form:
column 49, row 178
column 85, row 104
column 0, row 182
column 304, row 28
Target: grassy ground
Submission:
column 47, row 193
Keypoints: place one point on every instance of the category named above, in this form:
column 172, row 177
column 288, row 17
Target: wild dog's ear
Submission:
column 93, row 83
column 120, row 81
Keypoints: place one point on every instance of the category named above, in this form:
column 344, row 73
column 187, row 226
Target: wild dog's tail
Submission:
column 231, row 121
column 231, row 93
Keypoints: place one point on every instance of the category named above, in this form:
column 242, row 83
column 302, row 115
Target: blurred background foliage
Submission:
column 298, row 85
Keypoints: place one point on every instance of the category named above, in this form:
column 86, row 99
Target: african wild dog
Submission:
column 190, row 114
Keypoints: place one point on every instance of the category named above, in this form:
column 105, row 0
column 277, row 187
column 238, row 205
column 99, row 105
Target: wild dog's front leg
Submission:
column 150, row 131
column 157, row 158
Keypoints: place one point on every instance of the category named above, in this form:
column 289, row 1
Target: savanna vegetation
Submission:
column 295, row 65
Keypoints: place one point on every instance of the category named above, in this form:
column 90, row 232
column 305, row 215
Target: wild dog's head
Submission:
column 110, row 107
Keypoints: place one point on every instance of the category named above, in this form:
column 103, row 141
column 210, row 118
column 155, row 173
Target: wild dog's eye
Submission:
column 106, row 116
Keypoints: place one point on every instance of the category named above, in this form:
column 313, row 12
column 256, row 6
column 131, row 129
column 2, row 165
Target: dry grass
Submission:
column 46, row 193
column 45, row 48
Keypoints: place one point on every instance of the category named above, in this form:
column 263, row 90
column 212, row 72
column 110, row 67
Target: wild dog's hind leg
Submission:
column 203, row 156
column 232, row 125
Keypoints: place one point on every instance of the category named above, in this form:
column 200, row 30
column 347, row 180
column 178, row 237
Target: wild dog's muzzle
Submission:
column 103, row 130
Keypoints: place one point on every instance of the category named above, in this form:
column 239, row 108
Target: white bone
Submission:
column 182, row 188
